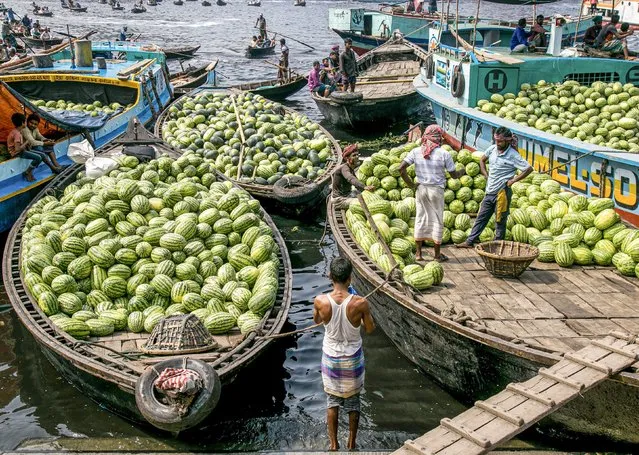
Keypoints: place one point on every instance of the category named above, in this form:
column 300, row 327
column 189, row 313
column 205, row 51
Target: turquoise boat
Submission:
column 369, row 28
column 133, row 83
column 581, row 167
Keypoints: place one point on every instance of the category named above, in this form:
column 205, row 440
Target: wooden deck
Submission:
column 378, row 81
column 548, row 307
column 490, row 423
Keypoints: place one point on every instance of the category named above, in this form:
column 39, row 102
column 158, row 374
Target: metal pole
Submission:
column 475, row 24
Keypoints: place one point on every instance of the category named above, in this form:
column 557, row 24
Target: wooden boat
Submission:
column 184, row 52
column 220, row 3
column 257, row 52
column 206, row 3
column 191, row 78
column 82, row 9
column 384, row 92
column 516, row 327
column 111, row 381
column 64, row 4
column 117, row 8
column 102, row 2
column 273, row 90
column 43, row 13
column 299, row 3
column 295, row 202
column 137, row 9
column 40, row 43
column 178, row 2
column 255, row 3
column 152, row 2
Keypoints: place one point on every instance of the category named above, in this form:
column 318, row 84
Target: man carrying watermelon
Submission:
column 504, row 161
column 343, row 315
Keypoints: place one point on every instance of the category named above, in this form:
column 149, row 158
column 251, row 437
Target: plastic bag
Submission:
column 80, row 152
column 97, row 166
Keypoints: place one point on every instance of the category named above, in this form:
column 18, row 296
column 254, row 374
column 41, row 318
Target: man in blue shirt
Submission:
column 504, row 161
column 519, row 41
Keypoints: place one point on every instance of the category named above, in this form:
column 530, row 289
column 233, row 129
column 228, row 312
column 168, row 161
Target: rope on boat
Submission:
column 314, row 326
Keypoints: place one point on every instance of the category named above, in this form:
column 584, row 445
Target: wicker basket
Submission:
column 504, row 258
column 179, row 334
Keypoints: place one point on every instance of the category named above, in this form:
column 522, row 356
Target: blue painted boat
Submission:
column 137, row 80
column 581, row 167
column 369, row 28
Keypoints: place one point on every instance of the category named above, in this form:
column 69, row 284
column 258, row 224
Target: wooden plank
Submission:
column 605, row 305
column 592, row 327
column 548, row 328
column 543, row 306
column 572, row 306
column 511, row 304
column 630, row 325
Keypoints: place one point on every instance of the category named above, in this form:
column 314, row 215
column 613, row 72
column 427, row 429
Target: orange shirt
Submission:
column 14, row 140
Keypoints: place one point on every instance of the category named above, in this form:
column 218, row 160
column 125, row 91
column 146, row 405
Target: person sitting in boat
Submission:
column 344, row 179
column 37, row 142
column 327, row 76
column 315, row 84
column 410, row 6
column 5, row 29
column 35, row 31
column 253, row 41
column 335, row 60
column 46, row 35
column 519, row 41
column 18, row 147
column 612, row 40
column 13, row 55
column 538, row 33
column 123, row 36
column 4, row 53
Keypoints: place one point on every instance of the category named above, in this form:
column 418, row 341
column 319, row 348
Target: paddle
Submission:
column 64, row 34
column 297, row 41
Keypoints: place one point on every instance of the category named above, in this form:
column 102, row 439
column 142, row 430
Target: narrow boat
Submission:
column 273, row 89
column 64, row 4
column 102, row 2
column 117, row 8
column 134, row 85
column 206, row 3
column 286, row 195
column 220, row 3
column 178, row 2
column 82, row 9
column 191, row 78
column 371, row 28
column 299, row 3
column 255, row 3
column 43, row 13
column 184, row 52
column 384, row 93
column 27, row 61
column 42, row 43
column 257, row 52
column 152, row 2
column 92, row 369
column 137, row 9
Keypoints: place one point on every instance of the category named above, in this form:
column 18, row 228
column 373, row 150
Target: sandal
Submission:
column 464, row 245
column 442, row 258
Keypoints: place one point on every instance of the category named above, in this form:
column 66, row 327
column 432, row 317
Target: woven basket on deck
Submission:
column 504, row 258
column 179, row 334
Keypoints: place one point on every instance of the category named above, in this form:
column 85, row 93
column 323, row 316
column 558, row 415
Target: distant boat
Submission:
column 41, row 12
column 152, row 2
column 138, row 9
column 178, row 2
column 75, row 9
column 64, row 4
column 220, row 3
column 256, row 51
column 206, row 3
column 117, row 8
column 102, row 2
column 300, row 3
column 255, row 3
column 174, row 53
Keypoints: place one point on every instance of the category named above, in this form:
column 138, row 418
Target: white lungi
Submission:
column 429, row 217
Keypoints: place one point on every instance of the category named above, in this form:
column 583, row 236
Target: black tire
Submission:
column 346, row 97
column 457, row 82
column 164, row 417
column 293, row 189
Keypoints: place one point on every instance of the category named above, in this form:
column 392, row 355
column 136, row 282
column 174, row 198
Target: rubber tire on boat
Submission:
column 164, row 417
column 457, row 82
column 346, row 97
column 294, row 189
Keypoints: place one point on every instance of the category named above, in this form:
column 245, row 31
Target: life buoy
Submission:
column 166, row 417
column 457, row 82
column 429, row 64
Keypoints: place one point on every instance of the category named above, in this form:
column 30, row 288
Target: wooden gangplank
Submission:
column 500, row 418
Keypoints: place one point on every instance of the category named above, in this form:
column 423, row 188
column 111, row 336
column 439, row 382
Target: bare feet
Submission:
column 333, row 448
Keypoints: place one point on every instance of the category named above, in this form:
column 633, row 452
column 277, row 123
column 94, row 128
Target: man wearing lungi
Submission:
column 431, row 163
column 343, row 315
column 344, row 179
column 504, row 161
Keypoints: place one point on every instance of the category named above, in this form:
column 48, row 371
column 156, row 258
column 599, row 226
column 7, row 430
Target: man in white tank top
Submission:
column 343, row 315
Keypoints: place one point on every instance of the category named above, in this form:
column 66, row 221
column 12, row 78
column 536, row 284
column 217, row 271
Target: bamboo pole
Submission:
column 574, row 41
column 239, row 125
column 475, row 24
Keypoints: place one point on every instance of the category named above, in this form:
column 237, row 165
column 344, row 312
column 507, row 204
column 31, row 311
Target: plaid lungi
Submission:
column 343, row 376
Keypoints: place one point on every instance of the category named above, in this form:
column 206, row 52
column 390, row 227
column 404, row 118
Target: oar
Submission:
column 64, row 34
column 297, row 41
column 25, row 43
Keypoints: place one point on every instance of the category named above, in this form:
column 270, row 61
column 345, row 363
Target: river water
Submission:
column 281, row 405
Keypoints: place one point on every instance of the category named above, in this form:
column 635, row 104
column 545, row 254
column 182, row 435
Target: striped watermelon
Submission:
column 220, row 323
column 564, row 255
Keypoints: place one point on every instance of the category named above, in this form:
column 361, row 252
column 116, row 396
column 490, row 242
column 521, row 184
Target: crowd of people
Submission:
column 611, row 38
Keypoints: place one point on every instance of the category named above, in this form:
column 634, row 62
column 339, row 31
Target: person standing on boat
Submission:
column 593, row 6
column 11, row 16
column 432, row 6
column 431, row 163
column 282, row 73
column 348, row 66
column 344, row 179
column 261, row 25
column 538, row 32
column 343, row 315
column 333, row 65
column 504, row 161
column 519, row 41
column 592, row 32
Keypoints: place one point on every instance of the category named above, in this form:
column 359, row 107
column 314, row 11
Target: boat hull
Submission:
column 368, row 113
column 273, row 91
column 256, row 52
column 474, row 366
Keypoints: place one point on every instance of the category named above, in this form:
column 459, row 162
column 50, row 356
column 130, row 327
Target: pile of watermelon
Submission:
column 146, row 241
column 278, row 143
column 93, row 109
column 567, row 228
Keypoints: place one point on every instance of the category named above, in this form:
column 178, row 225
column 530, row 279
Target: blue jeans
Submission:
column 486, row 210
column 36, row 156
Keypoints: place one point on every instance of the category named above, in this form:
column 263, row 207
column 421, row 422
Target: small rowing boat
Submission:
column 255, row 3
column 43, row 13
column 76, row 9
column 193, row 77
column 274, row 89
column 206, row 3
column 260, row 51
column 137, row 9
column 41, row 43
column 299, row 3
column 174, row 53
column 178, row 2
column 117, row 8
column 152, row 2
column 220, row 3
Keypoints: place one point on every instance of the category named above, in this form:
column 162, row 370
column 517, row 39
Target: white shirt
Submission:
column 431, row 171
